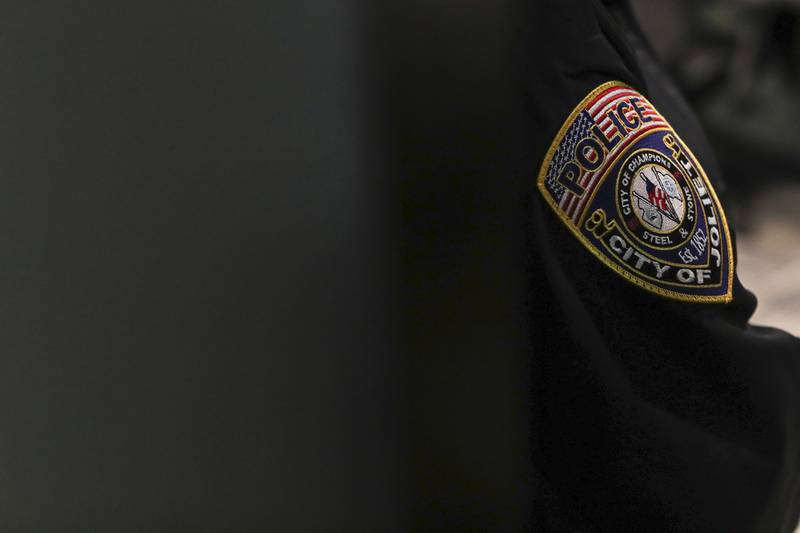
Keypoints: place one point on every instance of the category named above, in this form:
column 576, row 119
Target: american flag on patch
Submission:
column 579, row 129
column 596, row 112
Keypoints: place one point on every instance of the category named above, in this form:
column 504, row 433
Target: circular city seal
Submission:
column 655, row 200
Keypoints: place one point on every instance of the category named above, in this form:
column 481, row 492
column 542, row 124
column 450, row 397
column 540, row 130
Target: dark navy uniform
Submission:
column 657, row 406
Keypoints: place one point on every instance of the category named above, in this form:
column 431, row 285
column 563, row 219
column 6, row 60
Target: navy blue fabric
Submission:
column 649, row 414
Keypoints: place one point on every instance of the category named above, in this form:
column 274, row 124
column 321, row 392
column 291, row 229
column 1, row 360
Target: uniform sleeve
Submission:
column 657, row 406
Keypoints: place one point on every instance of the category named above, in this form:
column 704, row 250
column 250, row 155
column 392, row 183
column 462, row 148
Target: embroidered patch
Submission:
column 634, row 194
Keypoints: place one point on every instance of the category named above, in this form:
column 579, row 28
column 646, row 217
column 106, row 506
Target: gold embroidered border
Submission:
column 624, row 273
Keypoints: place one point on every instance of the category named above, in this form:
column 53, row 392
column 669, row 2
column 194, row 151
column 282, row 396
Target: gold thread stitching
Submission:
column 575, row 230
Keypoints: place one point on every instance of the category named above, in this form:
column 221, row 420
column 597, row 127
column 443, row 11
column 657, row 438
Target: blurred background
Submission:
column 738, row 63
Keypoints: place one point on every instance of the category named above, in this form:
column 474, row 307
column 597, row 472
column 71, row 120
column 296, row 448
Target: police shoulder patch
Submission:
column 634, row 194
